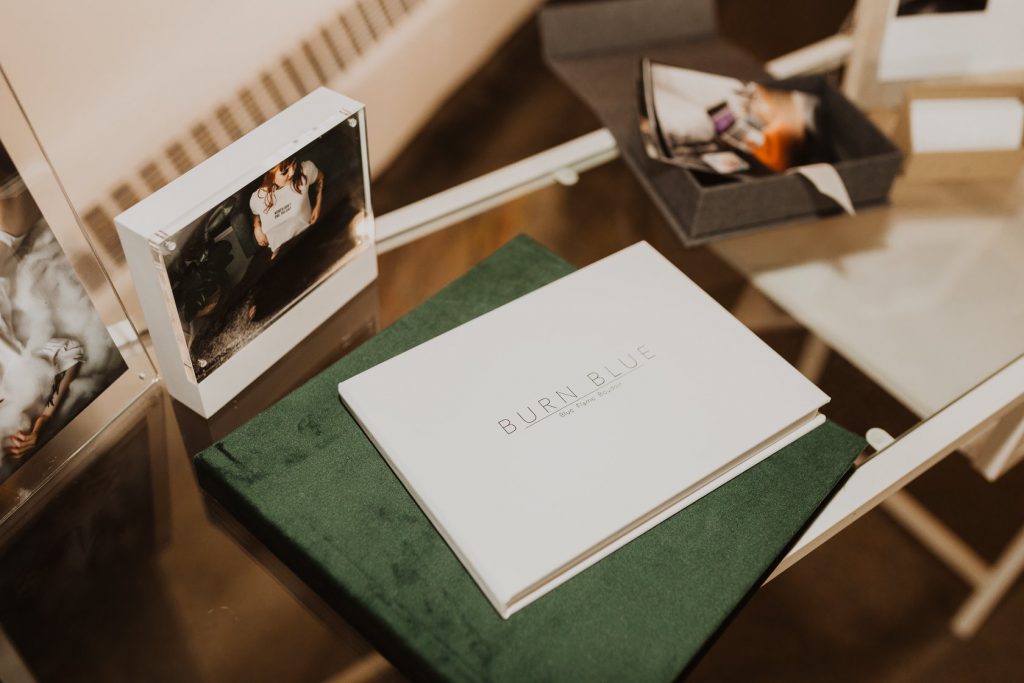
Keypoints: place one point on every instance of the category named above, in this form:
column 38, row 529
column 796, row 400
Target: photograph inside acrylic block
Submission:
column 257, row 252
column 56, row 354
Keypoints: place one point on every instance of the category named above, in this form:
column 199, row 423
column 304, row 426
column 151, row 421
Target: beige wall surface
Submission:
column 126, row 95
column 105, row 81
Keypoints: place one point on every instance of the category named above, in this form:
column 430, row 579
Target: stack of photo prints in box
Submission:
column 56, row 355
column 726, row 130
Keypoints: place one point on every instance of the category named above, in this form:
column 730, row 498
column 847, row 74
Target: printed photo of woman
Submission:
column 56, row 355
column 281, row 206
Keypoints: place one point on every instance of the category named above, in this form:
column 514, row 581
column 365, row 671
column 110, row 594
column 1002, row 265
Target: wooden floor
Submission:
column 870, row 605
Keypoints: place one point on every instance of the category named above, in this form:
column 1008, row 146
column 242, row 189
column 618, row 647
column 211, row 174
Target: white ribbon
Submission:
column 826, row 180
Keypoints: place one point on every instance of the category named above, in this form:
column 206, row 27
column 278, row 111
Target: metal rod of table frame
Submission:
column 561, row 164
column 887, row 472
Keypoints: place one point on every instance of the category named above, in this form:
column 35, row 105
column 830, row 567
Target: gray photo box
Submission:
column 597, row 46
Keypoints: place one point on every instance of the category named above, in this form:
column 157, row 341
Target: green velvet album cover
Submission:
column 304, row 479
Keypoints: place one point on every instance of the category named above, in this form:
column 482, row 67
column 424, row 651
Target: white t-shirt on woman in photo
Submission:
column 290, row 214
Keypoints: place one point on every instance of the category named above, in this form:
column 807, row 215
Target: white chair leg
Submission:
column 1001, row 447
column 1001, row 577
column 12, row 668
column 937, row 537
column 989, row 582
column 760, row 314
column 813, row 357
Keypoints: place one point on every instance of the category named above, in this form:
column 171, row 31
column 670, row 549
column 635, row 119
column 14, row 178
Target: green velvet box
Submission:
column 306, row 482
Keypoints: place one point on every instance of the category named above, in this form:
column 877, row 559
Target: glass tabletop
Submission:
column 896, row 313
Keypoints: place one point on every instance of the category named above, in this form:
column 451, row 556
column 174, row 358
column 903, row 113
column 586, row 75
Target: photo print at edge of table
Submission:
column 56, row 355
column 917, row 7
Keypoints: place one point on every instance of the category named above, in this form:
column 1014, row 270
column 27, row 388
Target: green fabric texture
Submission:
column 305, row 480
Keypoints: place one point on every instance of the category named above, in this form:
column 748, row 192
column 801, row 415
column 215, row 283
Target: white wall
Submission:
column 103, row 81
column 107, row 84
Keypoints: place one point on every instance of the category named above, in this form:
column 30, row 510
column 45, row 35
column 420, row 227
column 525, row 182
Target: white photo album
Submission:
column 541, row 436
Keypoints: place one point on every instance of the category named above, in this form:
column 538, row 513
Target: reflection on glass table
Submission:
column 916, row 294
column 429, row 243
column 344, row 330
column 476, row 218
column 919, row 296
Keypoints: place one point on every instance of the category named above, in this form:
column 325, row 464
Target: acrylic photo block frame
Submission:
column 80, row 439
column 166, row 221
